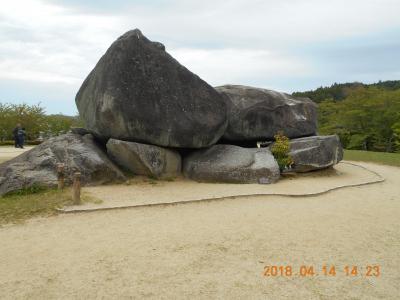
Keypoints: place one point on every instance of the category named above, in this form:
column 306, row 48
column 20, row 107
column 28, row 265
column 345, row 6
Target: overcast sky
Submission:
column 47, row 47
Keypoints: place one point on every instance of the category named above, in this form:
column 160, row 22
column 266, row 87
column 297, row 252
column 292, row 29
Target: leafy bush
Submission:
column 34, row 119
column 280, row 150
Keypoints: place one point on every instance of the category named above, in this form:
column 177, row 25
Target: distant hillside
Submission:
column 339, row 91
column 365, row 116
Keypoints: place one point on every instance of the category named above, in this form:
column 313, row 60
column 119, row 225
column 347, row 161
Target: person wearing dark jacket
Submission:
column 15, row 134
column 21, row 137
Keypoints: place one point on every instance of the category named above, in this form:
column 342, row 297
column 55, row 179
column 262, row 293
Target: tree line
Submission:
column 35, row 120
column 365, row 117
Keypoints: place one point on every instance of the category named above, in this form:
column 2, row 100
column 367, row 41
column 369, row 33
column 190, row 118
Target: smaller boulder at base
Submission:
column 38, row 167
column 234, row 164
column 143, row 159
column 315, row 152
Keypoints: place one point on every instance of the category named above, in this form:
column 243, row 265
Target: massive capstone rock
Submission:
column 138, row 92
column 315, row 152
column 142, row 159
column 256, row 114
column 39, row 165
column 234, row 164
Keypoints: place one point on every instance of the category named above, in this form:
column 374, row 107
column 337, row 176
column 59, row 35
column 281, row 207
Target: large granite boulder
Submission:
column 142, row 159
column 315, row 152
column 39, row 165
column 256, row 114
column 229, row 163
column 138, row 92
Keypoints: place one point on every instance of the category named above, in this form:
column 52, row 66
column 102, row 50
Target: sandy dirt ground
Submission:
column 7, row 152
column 142, row 191
column 213, row 250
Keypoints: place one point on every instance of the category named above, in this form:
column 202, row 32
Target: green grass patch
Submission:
column 384, row 158
column 11, row 143
column 28, row 203
column 34, row 189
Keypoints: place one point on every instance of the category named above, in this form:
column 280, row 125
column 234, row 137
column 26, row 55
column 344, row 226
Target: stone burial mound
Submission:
column 143, row 110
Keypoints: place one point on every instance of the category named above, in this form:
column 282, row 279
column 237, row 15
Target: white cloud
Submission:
column 235, row 41
column 54, row 44
column 266, row 23
column 230, row 65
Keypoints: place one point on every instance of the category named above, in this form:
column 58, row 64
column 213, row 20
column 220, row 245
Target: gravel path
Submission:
column 8, row 152
column 212, row 250
column 142, row 192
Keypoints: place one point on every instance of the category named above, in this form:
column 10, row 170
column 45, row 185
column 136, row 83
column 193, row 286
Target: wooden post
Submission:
column 76, row 188
column 60, row 175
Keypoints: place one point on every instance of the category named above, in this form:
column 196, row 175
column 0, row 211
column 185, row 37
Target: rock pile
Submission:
column 39, row 165
column 143, row 110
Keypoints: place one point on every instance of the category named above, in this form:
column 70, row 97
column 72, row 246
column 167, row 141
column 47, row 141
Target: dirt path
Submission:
column 144, row 192
column 8, row 152
column 212, row 250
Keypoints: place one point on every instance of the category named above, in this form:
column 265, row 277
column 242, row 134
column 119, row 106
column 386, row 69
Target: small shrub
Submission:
column 280, row 150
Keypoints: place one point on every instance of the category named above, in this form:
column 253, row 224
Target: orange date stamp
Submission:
column 324, row 270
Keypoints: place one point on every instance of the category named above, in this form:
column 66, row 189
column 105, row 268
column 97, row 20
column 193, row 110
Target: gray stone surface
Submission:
column 138, row 92
column 79, row 130
column 228, row 163
column 258, row 114
column 142, row 159
column 38, row 166
column 315, row 152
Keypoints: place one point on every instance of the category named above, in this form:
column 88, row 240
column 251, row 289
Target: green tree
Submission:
column 366, row 119
column 32, row 117
column 57, row 124
column 34, row 120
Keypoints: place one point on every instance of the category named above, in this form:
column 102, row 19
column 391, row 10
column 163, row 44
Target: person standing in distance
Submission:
column 21, row 137
column 15, row 134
